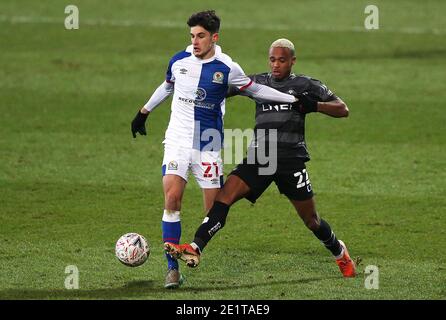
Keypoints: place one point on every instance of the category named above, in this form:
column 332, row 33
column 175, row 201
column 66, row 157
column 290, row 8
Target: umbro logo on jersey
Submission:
column 183, row 71
column 218, row 77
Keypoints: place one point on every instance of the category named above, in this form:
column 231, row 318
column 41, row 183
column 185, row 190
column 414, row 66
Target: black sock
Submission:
column 214, row 221
column 328, row 238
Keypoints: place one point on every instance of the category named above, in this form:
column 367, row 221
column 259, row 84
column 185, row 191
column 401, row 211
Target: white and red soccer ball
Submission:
column 132, row 249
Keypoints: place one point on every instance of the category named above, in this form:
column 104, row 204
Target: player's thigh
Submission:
column 176, row 163
column 250, row 183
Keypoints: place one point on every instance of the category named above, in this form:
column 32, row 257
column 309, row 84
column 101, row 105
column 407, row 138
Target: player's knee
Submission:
column 172, row 200
column 226, row 197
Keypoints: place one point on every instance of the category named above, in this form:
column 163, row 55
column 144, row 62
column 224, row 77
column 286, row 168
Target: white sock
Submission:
column 171, row 216
column 196, row 248
column 341, row 254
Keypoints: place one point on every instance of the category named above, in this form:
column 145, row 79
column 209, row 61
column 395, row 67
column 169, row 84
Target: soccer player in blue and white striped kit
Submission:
column 198, row 78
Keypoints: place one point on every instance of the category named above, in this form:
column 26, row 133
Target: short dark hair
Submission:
column 206, row 19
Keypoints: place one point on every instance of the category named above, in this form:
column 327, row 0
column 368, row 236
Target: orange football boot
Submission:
column 346, row 265
column 184, row 252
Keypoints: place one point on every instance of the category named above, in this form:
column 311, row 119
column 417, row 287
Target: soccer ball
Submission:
column 132, row 249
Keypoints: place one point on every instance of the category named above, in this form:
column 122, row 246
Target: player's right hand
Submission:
column 139, row 124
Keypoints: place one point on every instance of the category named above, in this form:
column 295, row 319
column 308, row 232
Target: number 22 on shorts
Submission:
column 300, row 175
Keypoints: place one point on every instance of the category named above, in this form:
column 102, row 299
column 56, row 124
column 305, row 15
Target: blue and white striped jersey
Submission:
column 198, row 104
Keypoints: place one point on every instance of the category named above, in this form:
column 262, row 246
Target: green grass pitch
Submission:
column 72, row 179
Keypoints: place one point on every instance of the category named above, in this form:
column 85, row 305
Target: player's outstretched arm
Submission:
column 336, row 108
column 265, row 93
column 138, row 124
column 161, row 93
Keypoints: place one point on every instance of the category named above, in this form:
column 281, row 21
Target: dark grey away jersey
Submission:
column 290, row 124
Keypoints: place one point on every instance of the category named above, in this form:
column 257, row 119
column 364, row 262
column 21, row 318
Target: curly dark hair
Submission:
column 206, row 19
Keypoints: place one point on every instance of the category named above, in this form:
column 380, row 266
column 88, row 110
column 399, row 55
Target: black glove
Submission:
column 305, row 104
column 139, row 124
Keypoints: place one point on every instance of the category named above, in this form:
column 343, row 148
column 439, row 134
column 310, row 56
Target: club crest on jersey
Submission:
column 200, row 94
column 218, row 77
column 173, row 165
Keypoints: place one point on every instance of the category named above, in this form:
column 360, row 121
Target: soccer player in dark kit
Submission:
column 290, row 176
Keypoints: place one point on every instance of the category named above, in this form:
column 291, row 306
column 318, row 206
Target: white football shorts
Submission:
column 206, row 166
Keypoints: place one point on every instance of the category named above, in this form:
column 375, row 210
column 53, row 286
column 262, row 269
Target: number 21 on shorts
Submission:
column 207, row 171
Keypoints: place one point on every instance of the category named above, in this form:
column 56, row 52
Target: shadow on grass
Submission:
column 221, row 286
column 139, row 290
column 133, row 289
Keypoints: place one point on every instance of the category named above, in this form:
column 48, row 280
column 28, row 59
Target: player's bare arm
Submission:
column 336, row 108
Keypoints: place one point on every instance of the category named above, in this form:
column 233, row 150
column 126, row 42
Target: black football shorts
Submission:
column 291, row 178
